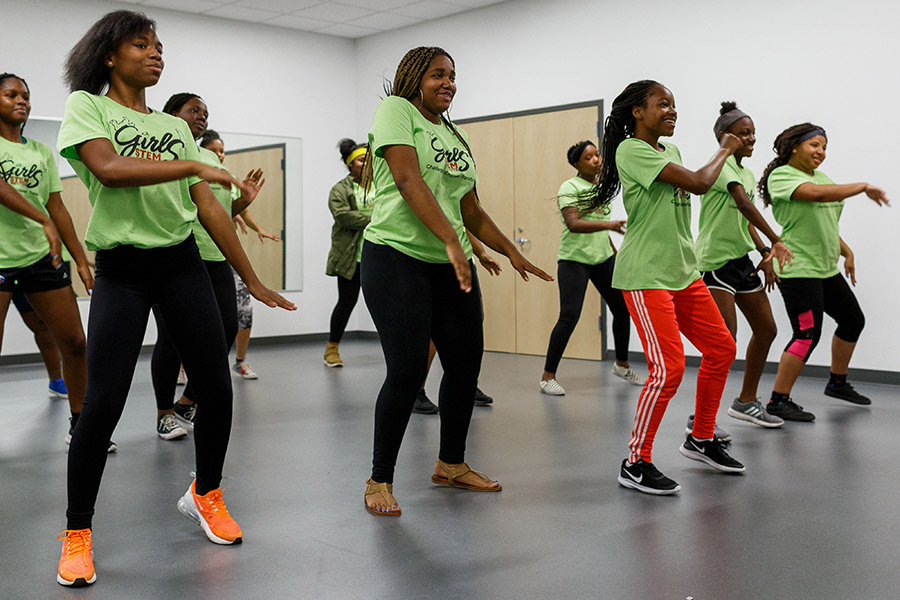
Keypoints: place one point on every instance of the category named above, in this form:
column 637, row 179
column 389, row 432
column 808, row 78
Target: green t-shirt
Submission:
column 365, row 205
column 809, row 229
column 30, row 169
column 150, row 216
column 586, row 248
column 445, row 165
column 658, row 250
column 225, row 196
column 723, row 229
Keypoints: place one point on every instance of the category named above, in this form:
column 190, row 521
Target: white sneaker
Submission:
column 167, row 428
column 551, row 387
column 628, row 374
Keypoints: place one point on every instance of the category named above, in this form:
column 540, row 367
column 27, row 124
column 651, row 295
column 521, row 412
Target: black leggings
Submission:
column 348, row 294
column 412, row 301
column 165, row 361
column 806, row 299
column 573, row 278
column 128, row 282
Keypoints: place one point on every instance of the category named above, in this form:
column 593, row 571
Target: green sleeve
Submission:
column 640, row 162
column 82, row 121
column 392, row 125
column 783, row 183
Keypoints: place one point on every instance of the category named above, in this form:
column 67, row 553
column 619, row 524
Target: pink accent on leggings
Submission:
column 800, row 348
column 806, row 320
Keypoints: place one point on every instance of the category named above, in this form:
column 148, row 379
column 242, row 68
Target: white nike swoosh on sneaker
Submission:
column 698, row 448
column 633, row 478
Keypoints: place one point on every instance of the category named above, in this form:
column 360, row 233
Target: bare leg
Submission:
column 789, row 368
column 241, row 343
column 59, row 311
column 46, row 346
column 841, row 353
column 758, row 311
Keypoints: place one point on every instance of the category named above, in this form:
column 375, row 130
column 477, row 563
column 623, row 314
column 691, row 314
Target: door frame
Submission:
column 549, row 109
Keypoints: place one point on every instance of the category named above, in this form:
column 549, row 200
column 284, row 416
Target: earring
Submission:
column 421, row 95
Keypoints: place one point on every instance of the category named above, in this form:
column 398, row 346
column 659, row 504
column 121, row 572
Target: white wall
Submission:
column 831, row 62
column 255, row 78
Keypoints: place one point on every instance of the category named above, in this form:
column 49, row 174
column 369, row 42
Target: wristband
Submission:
column 762, row 251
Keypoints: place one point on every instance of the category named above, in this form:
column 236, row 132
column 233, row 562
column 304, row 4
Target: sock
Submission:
column 702, row 439
column 238, row 361
column 835, row 379
column 779, row 398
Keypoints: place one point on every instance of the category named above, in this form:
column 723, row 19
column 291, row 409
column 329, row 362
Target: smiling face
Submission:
column 658, row 116
column 218, row 147
column 438, row 87
column 809, row 154
column 15, row 102
column 195, row 113
column 138, row 61
column 745, row 130
column 589, row 164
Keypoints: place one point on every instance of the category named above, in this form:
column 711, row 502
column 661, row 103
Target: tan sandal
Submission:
column 386, row 490
column 453, row 473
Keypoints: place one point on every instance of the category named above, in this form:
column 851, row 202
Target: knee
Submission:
column 73, row 346
column 765, row 334
column 568, row 318
column 850, row 328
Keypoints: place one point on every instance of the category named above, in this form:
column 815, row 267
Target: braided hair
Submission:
column 85, row 67
column 406, row 84
column 5, row 76
column 784, row 145
column 209, row 136
column 619, row 126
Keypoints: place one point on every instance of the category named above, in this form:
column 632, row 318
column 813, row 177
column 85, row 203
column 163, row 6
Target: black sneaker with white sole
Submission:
column 185, row 413
column 712, row 453
column 846, row 392
column 789, row 411
column 645, row 477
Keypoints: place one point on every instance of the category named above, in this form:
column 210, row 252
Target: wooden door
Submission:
column 492, row 147
column 521, row 164
column 541, row 142
column 266, row 257
column 75, row 197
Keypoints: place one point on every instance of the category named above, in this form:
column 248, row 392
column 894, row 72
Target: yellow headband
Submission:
column 356, row 153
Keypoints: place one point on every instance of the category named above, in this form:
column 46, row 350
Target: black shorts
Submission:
column 737, row 276
column 21, row 302
column 39, row 277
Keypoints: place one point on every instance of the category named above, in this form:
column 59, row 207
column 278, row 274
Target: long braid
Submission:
column 619, row 126
column 784, row 145
column 406, row 83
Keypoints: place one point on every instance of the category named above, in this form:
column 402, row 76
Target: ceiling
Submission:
column 342, row 18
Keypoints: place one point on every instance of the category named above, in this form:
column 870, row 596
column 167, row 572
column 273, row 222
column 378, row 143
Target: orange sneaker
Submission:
column 210, row 513
column 76, row 564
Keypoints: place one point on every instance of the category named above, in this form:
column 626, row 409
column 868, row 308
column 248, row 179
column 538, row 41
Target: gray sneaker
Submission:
column 753, row 412
column 721, row 436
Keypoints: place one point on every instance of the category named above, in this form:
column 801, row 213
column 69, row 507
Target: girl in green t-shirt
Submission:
column 146, row 188
column 27, row 263
column 586, row 253
column 352, row 207
column 166, row 362
column 728, row 231
column 808, row 204
column 657, row 271
column 417, row 276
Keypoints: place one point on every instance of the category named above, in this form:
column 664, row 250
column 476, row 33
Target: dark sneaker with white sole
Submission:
column 645, row 477
column 789, row 411
column 846, row 392
column 712, row 453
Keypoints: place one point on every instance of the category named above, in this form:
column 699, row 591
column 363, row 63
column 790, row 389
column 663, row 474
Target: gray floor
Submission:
column 814, row 517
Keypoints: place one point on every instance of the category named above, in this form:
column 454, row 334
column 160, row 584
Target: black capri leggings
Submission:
column 806, row 299
column 165, row 361
column 573, row 278
column 348, row 294
column 412, row 301
column 128, row 282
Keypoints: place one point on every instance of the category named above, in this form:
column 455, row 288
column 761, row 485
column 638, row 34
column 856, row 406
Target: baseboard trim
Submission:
column 862, row 375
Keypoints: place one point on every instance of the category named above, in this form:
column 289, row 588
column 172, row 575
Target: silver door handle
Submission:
column 522, row 241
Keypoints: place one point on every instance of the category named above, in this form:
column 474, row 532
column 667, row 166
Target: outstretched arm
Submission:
column 810, row 192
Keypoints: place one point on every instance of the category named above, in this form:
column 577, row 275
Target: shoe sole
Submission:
column 80, row 582
column 745, row 417
column 864, row 402
column 172, row 435
column 58, row 394
column 332, row 365
column 192, row 514
column 426, row 412
column 628, row 380
column 627, row 483
column 543, row 391
column 700, row 457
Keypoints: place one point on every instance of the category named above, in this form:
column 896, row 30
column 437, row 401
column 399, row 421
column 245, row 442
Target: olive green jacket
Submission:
column 346, row 233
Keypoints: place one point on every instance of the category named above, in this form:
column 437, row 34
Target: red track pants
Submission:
column 660, row 315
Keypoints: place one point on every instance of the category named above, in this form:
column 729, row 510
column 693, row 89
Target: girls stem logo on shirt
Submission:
column 135, row 144
column 681, row 197
column 456, row 159
column 18, row 174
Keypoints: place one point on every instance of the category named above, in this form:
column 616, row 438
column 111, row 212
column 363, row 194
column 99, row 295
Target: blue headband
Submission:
column 813, row 134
